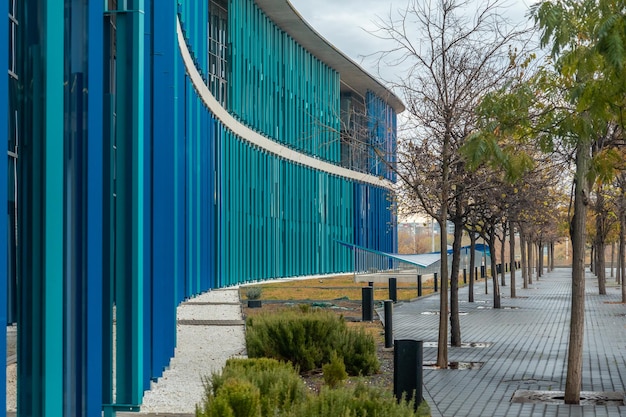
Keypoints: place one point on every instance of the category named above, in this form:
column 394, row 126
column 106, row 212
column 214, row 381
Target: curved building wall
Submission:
column 284, row 217
column 138, row 188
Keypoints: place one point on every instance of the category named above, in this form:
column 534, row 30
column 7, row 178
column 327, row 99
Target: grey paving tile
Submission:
column 528, row 349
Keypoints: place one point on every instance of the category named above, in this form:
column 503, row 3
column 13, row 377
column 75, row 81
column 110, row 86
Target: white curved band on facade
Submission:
column 259, row 140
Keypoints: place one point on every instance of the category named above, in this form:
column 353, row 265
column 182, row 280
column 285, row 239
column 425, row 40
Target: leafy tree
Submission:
column 567, row 110
column 588, row 41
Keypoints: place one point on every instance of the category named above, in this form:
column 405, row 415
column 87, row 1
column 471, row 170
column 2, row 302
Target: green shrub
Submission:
column 358, row 349
column 253, row 293
column 268, row 388
column 307, row 339
column 359, row 401
column 304, row 339
column 335, row 371
column 279, row 384
column 234, row 398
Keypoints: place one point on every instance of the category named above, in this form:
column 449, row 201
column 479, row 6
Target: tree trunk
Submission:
column 618, row 270
column 531, row 265
column 494, row 271
column 600, row 266
column 612, row 259
column 577, row 318
column 472, row 275
column 552, row 256
column 502, row 250
column 442, row 341
column 524, row 265
column 538, row 259
column 619, row 277
column 512, row 257
column 601, row 269
column 622, row 250
column 592, row 259
column 483, row 263
column 455, row 323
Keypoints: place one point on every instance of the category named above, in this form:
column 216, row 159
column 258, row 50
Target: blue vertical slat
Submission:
column 163, row 196
column 148, row 172
column 179, row 179
column 206, row 178
column 95, row 182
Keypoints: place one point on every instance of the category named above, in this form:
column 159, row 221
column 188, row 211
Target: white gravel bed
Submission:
column 209, row 312
column 200, row 351
column 228, row 295
column 12, row 387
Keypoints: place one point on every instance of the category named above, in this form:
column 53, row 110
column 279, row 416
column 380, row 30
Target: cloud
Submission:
column 347, row 24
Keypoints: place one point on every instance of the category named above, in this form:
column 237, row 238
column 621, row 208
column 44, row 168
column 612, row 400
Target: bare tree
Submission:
column 453, row 52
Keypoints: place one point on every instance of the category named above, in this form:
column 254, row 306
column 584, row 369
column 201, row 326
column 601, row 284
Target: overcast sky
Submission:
column 346, row 23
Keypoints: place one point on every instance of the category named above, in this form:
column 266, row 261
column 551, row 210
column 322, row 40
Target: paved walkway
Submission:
column 528, row 348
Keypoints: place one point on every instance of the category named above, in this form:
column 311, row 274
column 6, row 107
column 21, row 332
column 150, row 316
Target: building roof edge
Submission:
column 288, row 19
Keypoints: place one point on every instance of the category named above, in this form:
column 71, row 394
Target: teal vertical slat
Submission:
column 266, row 61
column 4, row 278
column 197, row 190
column 52, row 350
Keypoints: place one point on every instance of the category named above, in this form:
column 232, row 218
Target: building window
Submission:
column 217, row 79
column 354, row 134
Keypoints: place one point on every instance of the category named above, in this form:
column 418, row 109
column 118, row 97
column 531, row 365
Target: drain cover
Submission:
column 463, row 345
column 556, row 397
column 461, row 366
column 436, row 313
column 532, row 381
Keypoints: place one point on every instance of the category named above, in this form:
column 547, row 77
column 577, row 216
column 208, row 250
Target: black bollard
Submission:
column 475, row 273
column 368, row 303
column 393, row 289
column 419, row 285
column 407, row 370
column 370, row 284
column 482, row 271
column 464, row 276
column 388, row 323
column 436, row 282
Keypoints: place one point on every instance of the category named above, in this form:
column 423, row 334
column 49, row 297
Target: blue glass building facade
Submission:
column 157, row 150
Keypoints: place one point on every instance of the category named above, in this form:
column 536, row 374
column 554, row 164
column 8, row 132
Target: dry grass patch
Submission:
column 333, row 288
